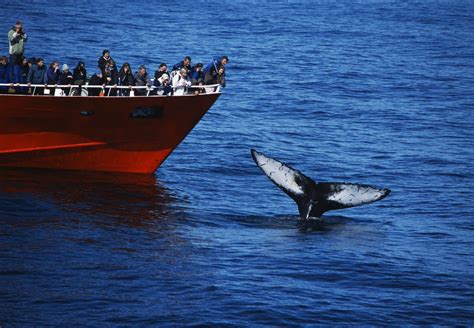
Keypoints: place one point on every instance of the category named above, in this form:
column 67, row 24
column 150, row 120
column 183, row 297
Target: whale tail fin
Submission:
column 294, row 183
column 337, row 195
column 313, row 199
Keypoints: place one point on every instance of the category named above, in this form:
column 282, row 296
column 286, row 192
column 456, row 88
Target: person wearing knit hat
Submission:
column 66, row 79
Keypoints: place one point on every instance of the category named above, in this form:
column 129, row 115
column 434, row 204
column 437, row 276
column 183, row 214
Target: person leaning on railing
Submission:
column 79, row 77
column 111, row 77
column 53, row 75
column 162, row 70
column 66, row 78
column 142, row 79
column 37, row 75
column 165, row 88
column 216, row 76
column 215, row 71
column 197, row 75
column 180, row 82
column 4, row 73
column 126, row 79
column 96, row 79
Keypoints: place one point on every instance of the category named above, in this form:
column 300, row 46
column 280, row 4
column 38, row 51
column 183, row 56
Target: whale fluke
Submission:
column 315, row 198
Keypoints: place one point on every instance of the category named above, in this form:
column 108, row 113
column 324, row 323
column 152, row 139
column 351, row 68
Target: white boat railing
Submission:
column 129, row 90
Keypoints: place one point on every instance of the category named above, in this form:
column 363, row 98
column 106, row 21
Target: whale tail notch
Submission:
column 313, row 199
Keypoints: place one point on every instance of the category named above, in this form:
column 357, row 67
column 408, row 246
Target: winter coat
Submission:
column 126, row 78
column 4, row 76
column 52, row 76
column 24, row 73
column 37, row 75
column 79, row 76
column 103, row 62
column 212, row 77
column 111, row 73
column 167, row 90
column 180, row 83
column 158, row 80
column 197, row 77
column 213, row 64
column 66, row 78
column 141, row 81
column 17, row 42
column 95, row 80
column 180, row 65
column 4, row 73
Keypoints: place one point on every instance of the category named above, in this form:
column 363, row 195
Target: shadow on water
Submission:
column 128, row 199
column 324, row 224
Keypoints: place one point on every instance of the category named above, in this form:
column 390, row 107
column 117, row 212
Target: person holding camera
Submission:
column 16, row 39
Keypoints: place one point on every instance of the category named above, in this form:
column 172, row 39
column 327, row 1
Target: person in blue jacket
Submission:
column 21, row 75
column 53, row 73
column 215, row 70
column 216, row 62
column 197, row 75
column 37, row 75
column 186, row 63
column 4, row 73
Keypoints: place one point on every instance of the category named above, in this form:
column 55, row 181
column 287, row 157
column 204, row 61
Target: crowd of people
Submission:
column 18, row 69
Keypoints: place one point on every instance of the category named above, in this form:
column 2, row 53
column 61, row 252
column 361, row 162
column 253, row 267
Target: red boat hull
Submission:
column 114, row 134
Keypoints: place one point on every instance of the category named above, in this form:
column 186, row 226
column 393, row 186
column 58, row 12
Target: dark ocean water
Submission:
column 373, row 92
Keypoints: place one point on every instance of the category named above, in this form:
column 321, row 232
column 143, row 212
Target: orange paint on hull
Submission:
column 114, row 134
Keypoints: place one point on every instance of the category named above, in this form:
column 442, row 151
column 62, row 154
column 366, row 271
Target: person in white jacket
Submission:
column 181, row 82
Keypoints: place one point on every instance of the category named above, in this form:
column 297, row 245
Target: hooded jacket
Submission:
column 80, row 74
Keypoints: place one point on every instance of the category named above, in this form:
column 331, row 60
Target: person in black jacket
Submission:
column 79, row 77
column 162, row 69
column 66, row 78
column 111, row 77
column 166, row 89
column 126, row 78
column 216, row 76
column 80, row 74
column 104, row 60
column 96, row 79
